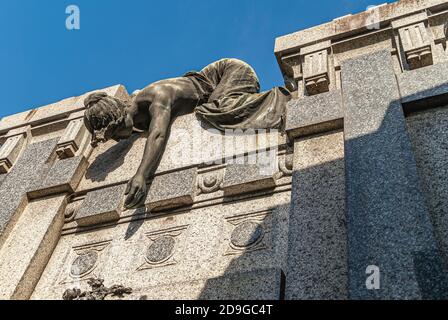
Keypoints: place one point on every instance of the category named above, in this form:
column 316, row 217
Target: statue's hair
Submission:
column 102, row 110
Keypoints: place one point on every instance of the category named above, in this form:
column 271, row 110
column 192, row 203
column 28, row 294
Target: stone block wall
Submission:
column 357, row 182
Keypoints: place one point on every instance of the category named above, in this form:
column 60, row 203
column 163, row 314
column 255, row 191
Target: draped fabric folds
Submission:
column 231, row 98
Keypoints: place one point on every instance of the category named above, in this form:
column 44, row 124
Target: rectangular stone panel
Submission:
column 172, row 190
column 314, row 114
column 428, row 133
column 317, row 250
column 188, row 145
column 174, row 256
column 64, row 176
column 29, row 170
column 244, row 178
column 417, row 86
column 101, row 206
column 27, row 250
column 387, row 219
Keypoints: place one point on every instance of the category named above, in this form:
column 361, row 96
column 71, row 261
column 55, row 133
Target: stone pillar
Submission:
column 30, row 229
column 387, row 220
column 317, row 247
column 28, row 172
column 27, row 250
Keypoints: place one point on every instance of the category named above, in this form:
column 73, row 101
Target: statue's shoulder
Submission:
column 232, row 61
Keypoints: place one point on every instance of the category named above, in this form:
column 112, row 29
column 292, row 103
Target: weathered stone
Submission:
column 416, row 45
column 417, row 86
column 353, row 24
column 254, row 285
column 160, row 249
column 316, row 72
column 70, row 142
column 62, row 109
column 428, row 132
column 201, row 252
column 315, row 114
column 84, row 263
column 27, row 250
column 172, row 190
column 409, row 20
column 113, row 163
column 10, row 151
column 243, row 178
column 29, row 170
column 63, row 177
column 101, row 206
column 23, row 130
column 317, row 249
column 54, row 111
column 388, row 223
column 13, row 121
column 246, row 234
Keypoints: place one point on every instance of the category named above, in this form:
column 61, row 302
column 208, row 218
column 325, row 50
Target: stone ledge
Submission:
column 172, row 190
column 101, row 206
column 244, row 178
column 352, row 24
column 55, row 111
column 423, row 83
column 314, row 114
column 63, row 177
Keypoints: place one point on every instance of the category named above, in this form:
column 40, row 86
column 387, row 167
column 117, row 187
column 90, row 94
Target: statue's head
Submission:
column 105, row 117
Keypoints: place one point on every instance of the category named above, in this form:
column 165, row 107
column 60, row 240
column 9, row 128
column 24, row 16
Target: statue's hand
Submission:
column 136, row 192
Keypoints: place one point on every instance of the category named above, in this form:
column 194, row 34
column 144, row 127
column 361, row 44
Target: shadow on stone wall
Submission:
column 110, row 160
column 256, row 272
column 388, row 220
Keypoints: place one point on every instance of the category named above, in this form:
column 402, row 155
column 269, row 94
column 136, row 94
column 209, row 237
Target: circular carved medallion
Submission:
column 246, row 234
column 160, row 250
column 84, row 263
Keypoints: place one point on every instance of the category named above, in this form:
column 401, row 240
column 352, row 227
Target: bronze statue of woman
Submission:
column 225, row 94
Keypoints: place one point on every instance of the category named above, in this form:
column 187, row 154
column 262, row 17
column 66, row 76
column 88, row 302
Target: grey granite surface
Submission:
column 30, row 168
column 261, row 284
column 388, row 222
column 63, row 176
column 317, row 248
column 101, row 206
column 314, row 114
column 172, row 190
column 429, row 132
column 423, row 83
column 243, row 178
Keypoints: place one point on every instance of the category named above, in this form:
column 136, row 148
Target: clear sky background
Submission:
column 136, row 42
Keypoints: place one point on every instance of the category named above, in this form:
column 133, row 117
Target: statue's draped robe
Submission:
column 231, row 98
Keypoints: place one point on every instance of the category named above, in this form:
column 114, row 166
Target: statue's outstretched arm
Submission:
column 160, row 120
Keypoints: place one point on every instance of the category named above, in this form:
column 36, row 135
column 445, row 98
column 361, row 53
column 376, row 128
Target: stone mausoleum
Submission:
column 355, row 208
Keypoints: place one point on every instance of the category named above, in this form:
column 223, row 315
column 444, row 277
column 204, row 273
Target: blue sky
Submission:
column 136, row 42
